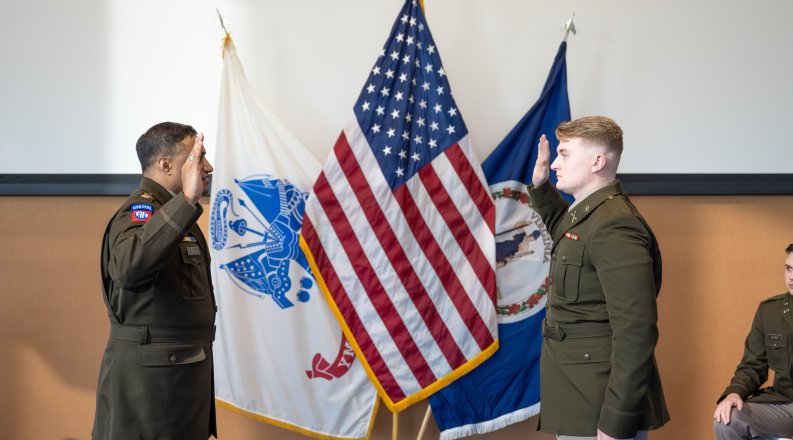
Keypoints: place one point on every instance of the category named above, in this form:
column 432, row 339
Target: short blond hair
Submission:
column 598, row 130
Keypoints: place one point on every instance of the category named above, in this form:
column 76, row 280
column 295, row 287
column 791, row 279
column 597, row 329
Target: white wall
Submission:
column 698, row 86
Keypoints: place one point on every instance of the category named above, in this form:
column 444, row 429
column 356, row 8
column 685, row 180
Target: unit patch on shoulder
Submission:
column 141, row 212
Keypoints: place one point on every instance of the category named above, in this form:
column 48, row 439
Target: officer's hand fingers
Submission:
column 194, row 158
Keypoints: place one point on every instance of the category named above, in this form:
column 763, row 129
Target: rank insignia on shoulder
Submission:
column 571, row 236
column 141, row 212
column 146, row 195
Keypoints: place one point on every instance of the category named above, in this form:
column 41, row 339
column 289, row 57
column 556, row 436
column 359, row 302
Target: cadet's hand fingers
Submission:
column 541, row 167
column 544, row 150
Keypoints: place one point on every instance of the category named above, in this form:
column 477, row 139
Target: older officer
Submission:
column 766, row 412
column 156, row 375
column 598, row 375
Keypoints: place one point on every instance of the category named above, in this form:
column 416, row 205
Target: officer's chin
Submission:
column 206, row 181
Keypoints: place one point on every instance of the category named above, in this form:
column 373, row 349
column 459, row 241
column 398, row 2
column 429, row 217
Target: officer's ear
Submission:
column 164, row 165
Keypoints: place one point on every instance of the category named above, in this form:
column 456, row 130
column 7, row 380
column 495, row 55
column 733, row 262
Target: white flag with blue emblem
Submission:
column 280, row 356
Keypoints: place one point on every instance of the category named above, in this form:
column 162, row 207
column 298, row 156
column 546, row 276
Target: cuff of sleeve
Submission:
column 181, row 214
column 543, row 195
column 618, row 423
column 737, row 389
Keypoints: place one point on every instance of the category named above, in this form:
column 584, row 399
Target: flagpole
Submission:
column 227, row 35
column 424, row 422
column 567, row 27
column 394, row 421
column 222, row 23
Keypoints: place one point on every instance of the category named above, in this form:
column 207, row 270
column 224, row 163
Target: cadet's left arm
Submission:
column 622, row 255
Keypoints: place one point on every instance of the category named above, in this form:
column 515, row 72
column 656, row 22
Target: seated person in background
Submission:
column 766, row 412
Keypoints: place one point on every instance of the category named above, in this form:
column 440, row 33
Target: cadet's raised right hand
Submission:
column 542, row 168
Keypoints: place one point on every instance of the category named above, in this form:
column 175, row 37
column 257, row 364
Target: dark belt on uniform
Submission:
column 145, row 334
column 560, row 332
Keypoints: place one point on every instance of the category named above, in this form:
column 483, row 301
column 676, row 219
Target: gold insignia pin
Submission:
column 586, row 209
column 574, row 217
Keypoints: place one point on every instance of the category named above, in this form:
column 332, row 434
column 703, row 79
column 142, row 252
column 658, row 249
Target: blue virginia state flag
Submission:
column 505, row 389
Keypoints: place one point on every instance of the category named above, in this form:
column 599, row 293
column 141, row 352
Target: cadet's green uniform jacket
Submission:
column 769, row 345
column 156, row 379
column 597, row 368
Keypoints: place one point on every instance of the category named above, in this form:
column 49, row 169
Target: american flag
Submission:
column 400, row 226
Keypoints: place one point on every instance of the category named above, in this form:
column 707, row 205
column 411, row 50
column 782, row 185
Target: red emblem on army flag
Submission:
column 141, row 212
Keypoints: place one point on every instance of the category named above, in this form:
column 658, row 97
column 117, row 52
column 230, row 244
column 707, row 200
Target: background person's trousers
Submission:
column 640, row 435
column 757, row 421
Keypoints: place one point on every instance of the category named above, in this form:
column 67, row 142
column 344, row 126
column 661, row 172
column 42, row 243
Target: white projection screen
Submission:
column 702, row 89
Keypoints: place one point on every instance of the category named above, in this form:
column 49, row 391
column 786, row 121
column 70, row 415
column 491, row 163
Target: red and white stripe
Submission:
column 411, row 271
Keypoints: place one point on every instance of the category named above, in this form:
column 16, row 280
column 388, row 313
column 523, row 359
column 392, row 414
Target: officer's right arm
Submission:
column 752, row 372
column 138, row 250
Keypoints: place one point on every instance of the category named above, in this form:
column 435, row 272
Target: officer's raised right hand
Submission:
column 542, row 167
column 192, row 171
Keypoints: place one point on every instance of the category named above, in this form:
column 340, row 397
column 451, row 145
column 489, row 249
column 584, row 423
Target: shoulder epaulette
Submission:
column 776, row 298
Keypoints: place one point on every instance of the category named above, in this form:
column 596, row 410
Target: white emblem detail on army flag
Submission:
column 523, row 255
column 272, row 236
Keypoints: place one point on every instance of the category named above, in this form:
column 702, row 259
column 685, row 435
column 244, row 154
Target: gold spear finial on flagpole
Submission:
column 568, row 27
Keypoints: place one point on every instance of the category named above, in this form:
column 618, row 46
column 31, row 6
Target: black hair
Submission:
column 161, row 140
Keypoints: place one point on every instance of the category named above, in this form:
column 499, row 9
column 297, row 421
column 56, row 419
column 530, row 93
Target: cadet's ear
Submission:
column 599, row 162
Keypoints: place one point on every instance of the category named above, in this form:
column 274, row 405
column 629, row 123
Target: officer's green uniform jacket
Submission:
column 597, row 367
column 156, row 379
column 769, row 345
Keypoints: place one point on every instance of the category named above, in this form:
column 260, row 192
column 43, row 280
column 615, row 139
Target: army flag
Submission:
column 400, row 225
column 505, row 389
column 280, row 356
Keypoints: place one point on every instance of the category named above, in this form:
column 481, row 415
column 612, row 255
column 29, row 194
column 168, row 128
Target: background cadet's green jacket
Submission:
column 156, row 380
column 768, row 345
column 597, row 368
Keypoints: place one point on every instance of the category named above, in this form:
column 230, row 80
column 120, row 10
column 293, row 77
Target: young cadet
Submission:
column 598, row 375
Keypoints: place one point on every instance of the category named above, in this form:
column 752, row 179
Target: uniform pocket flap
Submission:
column 191, row 253
column 155, row 355
column 584, row 356
column 571, row 253
column 776, row 340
